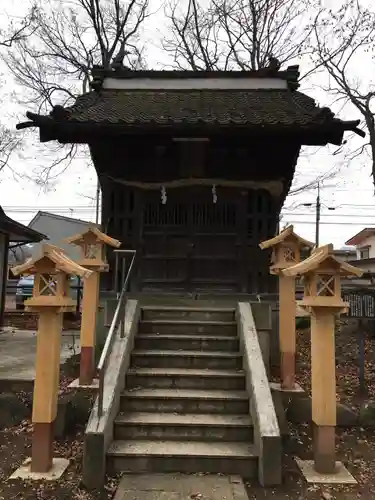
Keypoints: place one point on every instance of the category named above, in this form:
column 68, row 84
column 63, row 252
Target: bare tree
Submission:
column 301, row 186
column 238, row 34
column 343, row 44
column 16, row 31
column 245, row 35
column 66, row 40
column 9, row 141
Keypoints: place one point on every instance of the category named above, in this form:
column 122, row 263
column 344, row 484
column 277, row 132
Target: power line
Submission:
column 89, row 208
column 327, row 223
column 371, row 216
column 338, row 207
column 363, row 218
column 42, row 209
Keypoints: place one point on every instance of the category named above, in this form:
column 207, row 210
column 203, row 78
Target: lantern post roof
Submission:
column 79, row 239
column 319, row 256
column 285, row 235
column 57, row 256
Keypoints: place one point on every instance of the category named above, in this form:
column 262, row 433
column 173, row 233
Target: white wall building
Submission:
column 364, row 242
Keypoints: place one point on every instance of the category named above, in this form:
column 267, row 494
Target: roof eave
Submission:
column 17, row 232
column 285, row 234
column 360, row 236
column 68, row 131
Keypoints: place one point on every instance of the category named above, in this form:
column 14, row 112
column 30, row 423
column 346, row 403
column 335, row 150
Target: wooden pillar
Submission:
column 46, row 388
column 51, row 297
column 4, row 247
column 287, row 330
column 138, row 215
column 92, row 244
column 286, row 253
column 90, row 304
column 323, row 384
column 322, row 299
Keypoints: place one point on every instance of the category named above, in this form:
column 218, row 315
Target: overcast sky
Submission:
column 351, row 192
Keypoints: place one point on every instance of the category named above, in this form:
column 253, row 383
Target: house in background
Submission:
column 364, row 242
column 12, row 235
column 346, row 254
column 58, row 228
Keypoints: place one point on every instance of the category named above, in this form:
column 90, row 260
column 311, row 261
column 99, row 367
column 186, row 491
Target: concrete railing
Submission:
column 267, row 436
column 99, row 430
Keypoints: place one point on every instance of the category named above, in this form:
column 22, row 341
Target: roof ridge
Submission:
column 290, row 74
column 58, row 216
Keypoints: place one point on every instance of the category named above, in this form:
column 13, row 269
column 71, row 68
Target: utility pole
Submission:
column 317, row 220
column 318, row 207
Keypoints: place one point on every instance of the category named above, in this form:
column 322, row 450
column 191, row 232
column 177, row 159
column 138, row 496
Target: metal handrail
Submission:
column 102, row 365
column 119, row 253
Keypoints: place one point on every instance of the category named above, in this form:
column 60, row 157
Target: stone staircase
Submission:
column 185, row 407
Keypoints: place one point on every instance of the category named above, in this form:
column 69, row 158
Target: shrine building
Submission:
column 194, row 168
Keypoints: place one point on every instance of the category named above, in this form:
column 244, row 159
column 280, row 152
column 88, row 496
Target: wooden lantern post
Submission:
column 286, row 252
column 322, row 272
column 92, row 243
column 50, row 300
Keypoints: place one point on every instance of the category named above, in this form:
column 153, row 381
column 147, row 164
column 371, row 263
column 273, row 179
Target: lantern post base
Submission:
column 340, row 476
column 59, row 466
column 297, row 389
column 324, row 448
column 76, row 384
column 287, row 368
column 87, row 371
column 42, row 447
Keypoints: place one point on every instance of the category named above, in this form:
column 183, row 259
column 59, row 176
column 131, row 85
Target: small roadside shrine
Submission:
column 322, row 273
column 50, row 299
column 286, row 252
column 92, row 244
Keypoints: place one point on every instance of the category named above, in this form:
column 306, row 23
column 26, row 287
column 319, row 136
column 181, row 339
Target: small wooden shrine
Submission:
column 286, row 252
column 50, row 299
column 286, row 249
column 194, row 168
column 93, row 244
column 322, row 273
column 51, row 269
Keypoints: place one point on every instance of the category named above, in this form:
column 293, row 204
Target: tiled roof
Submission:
column 192, row 107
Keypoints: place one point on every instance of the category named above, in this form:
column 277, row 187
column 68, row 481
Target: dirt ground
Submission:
column 15, row 447
column 355, row 447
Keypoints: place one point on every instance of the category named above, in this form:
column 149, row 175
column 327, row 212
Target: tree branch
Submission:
column 341, row 39
column 54, row 49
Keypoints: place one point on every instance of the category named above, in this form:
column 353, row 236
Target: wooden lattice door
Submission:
column 190, row 243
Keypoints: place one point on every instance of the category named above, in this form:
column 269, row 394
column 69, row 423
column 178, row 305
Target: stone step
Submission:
column 183, row 456
column 189, row 427
column 200, row 313
column 166, row 341
column 186, row 359
column 192, row 327
column 184, row 401
column 185, row 378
